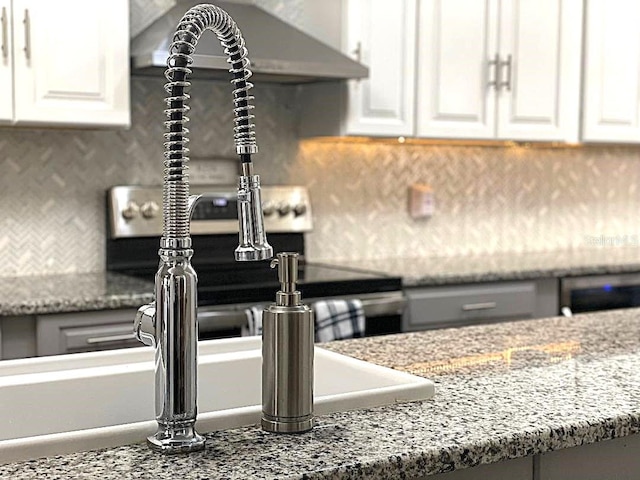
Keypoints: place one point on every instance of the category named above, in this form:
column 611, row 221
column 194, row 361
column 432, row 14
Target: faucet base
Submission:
column 176, row 438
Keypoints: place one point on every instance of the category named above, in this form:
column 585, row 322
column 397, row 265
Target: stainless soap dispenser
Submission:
column 287, row 355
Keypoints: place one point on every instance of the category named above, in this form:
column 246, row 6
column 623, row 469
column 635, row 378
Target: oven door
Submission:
column 599, row 292
column 383, row 314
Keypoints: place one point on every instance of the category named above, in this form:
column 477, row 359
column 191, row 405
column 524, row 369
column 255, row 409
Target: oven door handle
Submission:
column 125, row 337
column 380, row 307
column 211, row 320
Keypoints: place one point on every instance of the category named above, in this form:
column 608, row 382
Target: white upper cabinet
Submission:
column 539, row 92
column 6, row 52
column 457, row 45
column 465, row 69
column 499, row 69
column 70, row 63
column 611, row 103
column 382, row 35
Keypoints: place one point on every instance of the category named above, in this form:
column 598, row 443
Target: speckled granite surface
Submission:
column 506, row 266
column 33, row 295
column 97, row 291
column 502, row 391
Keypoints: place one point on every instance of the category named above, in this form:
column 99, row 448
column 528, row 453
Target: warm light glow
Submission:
column 432, row 141
column 558, row 352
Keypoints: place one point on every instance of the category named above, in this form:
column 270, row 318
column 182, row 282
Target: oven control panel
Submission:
column 136, row 211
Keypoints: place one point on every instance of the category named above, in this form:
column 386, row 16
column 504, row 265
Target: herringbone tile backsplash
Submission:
column 488, row 199
column 53, row 183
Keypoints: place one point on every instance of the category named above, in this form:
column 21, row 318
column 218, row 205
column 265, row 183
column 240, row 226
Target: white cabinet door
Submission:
column 381, row 34
column 527, row 52
column 611, row 103
column 457, row 47
column 71, row 62
column 6, row 68
column 540, row 52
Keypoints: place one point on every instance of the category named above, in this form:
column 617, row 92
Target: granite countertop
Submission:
column 428, row 271
column 32, row 295
column 105, row 290
column 503, row 391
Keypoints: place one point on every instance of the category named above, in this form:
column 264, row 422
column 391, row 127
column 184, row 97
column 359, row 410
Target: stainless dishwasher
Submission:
column 591, row 293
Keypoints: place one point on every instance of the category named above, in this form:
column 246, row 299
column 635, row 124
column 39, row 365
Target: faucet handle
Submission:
column 144, row 326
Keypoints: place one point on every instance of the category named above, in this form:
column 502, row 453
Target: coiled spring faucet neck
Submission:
column 176, row 178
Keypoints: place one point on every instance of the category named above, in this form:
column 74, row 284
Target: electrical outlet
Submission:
column 421, row 201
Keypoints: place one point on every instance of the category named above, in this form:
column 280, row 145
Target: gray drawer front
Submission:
column 438, row 306
column 85, row 331
column 98, row 337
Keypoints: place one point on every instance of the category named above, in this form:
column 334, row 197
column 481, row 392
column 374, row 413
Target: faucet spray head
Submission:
column 253, row 239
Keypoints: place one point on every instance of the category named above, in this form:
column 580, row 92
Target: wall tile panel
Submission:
column 488, row 200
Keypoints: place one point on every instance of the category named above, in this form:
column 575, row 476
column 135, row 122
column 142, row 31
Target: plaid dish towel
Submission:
column 254, row 322
column 338, row 319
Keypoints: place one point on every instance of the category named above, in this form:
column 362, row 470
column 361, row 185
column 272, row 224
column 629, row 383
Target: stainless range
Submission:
column 226, row 288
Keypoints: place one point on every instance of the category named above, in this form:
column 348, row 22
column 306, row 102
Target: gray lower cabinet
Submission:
column 615, row 459
column 18, row 339
column 517, row 469
column 457, row 305
column 85, row 331
column 54, row 334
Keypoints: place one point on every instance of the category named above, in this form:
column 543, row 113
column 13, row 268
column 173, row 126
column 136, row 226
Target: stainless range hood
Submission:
column 278, row 51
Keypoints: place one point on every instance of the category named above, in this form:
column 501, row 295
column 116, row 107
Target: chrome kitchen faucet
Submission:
column 170, row 322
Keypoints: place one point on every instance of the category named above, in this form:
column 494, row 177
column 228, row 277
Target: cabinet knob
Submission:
column 268, row 209
column 284, row 209
column 130, row 211
column 300, row 209
column 149, row 209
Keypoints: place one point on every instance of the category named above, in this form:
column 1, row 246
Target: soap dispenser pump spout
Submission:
column 287, row 263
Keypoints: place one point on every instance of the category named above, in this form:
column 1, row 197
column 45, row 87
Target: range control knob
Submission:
column 268, row 209
column 149, row 209
column 130, row 211
column 300, row 209
column 284, row 209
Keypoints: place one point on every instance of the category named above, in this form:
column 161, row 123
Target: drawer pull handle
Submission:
column 27, row 35
column 479, row 306
column 357, row 52
column 111, row 338
column 5, row 34
column 494, row 65
column 509, row 65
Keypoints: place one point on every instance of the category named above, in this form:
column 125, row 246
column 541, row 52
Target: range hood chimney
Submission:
column 279, row 52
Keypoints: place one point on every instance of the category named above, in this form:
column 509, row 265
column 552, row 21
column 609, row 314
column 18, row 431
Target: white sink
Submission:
column 69, row 403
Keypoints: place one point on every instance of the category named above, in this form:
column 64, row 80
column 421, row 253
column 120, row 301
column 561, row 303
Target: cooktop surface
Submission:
column 256, row 282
